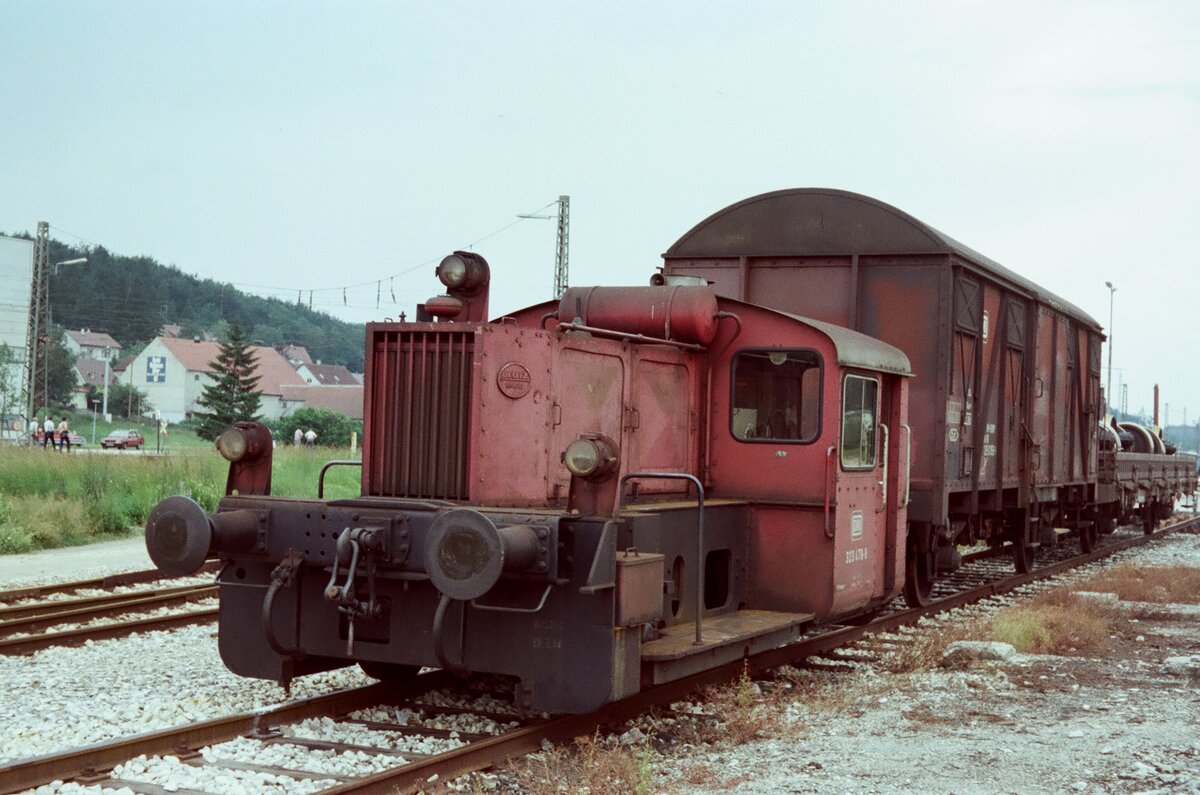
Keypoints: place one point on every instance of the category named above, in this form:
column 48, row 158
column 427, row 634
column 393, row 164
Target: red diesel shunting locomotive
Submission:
column 634, row 483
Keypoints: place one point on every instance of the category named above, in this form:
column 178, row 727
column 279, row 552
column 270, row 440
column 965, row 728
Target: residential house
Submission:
column 89, row 372
column 343, row 400
column 93, row 344
column 173, row 372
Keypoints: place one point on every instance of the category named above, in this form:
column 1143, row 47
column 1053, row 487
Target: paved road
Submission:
column 69, row 563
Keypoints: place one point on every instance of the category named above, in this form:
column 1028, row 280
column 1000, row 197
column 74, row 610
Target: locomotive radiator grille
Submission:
column 421, row 404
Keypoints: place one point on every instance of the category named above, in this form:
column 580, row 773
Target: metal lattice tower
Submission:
column 563, row 251
column 39, row 326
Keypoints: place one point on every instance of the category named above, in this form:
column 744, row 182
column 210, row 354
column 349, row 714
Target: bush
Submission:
column 332, row 429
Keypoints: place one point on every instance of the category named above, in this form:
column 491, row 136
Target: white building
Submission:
column 173, row 373
column 16, row 280
column 92, row 344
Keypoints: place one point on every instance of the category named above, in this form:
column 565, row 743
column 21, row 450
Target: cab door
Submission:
column 862, row 495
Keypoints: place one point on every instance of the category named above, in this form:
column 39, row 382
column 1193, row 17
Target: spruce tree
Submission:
column 235, row 396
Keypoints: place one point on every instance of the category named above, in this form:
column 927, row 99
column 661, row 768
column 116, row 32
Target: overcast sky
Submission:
column 299, row 146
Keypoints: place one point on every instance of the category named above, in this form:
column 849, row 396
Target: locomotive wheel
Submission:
column 1022, row 554
column 918, row 577
column 389, row 673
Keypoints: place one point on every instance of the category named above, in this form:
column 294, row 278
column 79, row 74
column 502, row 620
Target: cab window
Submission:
column 858, row 422
column 776, row 396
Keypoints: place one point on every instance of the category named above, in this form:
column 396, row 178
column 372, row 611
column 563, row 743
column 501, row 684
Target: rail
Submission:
column 482, row 753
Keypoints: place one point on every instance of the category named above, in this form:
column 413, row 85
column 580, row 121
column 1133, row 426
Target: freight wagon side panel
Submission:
column 821, row 288
column 904, row 302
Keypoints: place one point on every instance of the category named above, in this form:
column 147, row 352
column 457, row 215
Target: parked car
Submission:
column 123, row 440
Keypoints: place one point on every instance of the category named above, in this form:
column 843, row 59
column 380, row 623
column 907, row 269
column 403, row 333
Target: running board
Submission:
column 725, row 639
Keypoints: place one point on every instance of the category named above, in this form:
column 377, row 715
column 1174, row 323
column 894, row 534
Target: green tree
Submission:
column 56, row 380
column 125, row 401
column 332, row 429
column 235, row 396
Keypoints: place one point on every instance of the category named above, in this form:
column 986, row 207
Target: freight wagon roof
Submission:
column 824, row 222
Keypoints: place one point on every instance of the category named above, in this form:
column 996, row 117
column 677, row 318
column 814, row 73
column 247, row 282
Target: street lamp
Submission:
column 1108, row 388
column 79, row 261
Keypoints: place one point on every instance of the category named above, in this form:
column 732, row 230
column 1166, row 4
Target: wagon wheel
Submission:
column 1149, row 517
column 390, row 673
column 1107, row 521
column 918, row 575
column 1022, row 553
column 1087, row 537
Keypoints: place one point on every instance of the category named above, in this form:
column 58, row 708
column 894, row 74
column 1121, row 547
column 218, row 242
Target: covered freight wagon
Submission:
column 1005, row 402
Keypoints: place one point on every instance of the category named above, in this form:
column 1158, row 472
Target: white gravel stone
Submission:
column 65, row 697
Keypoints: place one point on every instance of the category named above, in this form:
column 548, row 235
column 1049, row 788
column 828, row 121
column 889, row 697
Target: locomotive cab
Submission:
column 592, row 496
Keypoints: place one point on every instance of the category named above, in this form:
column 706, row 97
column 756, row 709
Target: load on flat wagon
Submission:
column 628, row 485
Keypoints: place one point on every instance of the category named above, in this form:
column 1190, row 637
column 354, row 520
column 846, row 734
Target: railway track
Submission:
column 404, row 736
column 36, row 618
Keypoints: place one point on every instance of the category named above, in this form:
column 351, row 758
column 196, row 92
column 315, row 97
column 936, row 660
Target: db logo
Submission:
column 513, row 380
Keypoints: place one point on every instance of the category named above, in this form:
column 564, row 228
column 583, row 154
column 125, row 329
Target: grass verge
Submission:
column 1158, row 584
column 1058, row 622
column 50, row 499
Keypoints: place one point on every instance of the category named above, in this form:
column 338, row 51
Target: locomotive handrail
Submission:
column 828, row 475
column 886, row 437
column 699, row 533
column 329, row 465
column 907, row 463
column 575, row 325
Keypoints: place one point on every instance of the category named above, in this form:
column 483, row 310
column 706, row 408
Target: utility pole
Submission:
column 562, row 250
column 39, row 327
column 561, row 254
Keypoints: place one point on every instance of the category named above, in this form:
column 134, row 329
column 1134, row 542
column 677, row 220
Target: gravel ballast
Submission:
column 1125, row 722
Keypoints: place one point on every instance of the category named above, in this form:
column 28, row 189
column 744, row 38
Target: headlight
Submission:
column 452, row 271
column 592, row 457
column 232, row 444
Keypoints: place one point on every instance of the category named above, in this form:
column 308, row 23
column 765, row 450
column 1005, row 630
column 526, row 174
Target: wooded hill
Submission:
column 132, row 297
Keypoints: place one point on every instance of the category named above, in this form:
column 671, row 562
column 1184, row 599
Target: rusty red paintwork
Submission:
column 802, row 433
column 679, row 312
column 994, row 356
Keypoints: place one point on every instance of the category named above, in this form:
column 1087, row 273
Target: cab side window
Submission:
column 859, row 397
column 776, row 396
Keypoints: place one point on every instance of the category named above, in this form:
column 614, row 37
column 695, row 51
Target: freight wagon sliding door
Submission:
column 1014, row 424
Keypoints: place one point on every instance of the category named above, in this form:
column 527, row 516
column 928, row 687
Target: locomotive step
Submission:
column 725, row 638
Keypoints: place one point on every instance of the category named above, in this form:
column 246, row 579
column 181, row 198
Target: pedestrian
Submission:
column 64, row 435
column 33, row 426
column 296, row 437
column 48, row 432
column 310, row 436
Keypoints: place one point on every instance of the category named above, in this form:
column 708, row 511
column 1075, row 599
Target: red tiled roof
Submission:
column 332, row 375
column 91, row 371
column 93, row 339
column 273, row 370
column 297, row 353
column 343, row 400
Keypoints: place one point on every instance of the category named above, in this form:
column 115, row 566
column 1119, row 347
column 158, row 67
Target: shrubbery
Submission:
column 332, row 429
